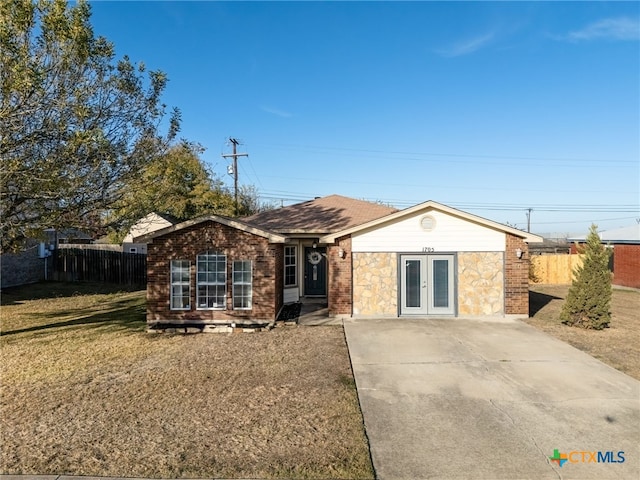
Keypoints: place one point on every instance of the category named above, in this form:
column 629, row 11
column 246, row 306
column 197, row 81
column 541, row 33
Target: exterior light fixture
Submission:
column 518, row 253
column 341, row 253
column 315, row 244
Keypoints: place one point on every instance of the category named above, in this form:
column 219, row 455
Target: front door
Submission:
column 315, row 271
column 427, row 285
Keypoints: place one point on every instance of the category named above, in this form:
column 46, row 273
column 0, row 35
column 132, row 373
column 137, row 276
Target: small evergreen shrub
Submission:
column 589, row 300
column 533, row 274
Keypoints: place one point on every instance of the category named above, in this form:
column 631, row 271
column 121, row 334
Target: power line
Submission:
column 333, row 181
column 582, row 221
column 568, row 208
column 319, row 149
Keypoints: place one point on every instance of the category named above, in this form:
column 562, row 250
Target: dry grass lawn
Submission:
column 618, row 345
column 86, row 391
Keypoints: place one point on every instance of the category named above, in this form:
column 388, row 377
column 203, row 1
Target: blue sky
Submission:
column 488, row 107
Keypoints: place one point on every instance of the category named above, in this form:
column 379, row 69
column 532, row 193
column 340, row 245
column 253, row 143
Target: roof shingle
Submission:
column 319, row 216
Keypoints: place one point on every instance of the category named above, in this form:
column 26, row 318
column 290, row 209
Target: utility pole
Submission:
column 529, row 220
column 235, row 156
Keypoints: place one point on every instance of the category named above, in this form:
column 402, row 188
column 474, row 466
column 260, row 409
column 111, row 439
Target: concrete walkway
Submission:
column 458, row 399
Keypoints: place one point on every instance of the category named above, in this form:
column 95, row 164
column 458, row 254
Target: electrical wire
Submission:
column 416, row 156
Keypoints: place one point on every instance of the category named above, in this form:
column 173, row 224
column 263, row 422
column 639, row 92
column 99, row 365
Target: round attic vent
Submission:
column 428, row 223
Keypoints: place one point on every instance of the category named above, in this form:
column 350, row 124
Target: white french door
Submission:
column 427, row 285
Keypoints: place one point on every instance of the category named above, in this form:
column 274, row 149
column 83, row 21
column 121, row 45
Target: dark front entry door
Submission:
column 315, row 271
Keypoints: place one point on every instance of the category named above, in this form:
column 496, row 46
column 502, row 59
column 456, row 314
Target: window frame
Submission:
column 242, row 283
column 293, row 266
column 215, row 258
column 181, row 283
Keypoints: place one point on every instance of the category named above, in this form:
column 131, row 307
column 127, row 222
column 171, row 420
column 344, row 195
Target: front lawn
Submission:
column 86, row 391
column 618, row 345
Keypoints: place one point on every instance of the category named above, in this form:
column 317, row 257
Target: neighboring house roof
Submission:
column 319, row 216
column 234, row 223
column 629, row 235
column 149, row 223
column 424, row 208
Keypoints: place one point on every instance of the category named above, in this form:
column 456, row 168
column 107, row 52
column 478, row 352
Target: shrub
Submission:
column 589, row 299
column 533, row 274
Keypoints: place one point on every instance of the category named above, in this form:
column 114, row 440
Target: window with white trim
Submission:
column 211, row 281
column 290, row 267
column 242, row 284
column 180, row 285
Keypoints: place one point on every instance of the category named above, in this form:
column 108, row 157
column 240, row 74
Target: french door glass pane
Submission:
column 412, row 283
column 441, row 283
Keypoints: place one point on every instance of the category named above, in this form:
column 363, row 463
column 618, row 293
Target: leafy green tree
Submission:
column 589, row 300
column 249, row 201
column 175, row 183
column 75, row 123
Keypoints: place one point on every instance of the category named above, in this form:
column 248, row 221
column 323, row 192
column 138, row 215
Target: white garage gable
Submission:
column 429, row 231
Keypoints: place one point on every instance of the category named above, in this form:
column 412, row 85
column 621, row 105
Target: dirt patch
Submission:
column 85, row 391
column 618, row 345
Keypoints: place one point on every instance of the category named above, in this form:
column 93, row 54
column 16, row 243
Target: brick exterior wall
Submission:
column 626, row 265
column 340, row 277
column 516, row 282
column 185, row 244
column 23, row 267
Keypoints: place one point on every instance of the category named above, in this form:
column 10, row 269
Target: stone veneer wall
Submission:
column 375, row 283
column 480, row 283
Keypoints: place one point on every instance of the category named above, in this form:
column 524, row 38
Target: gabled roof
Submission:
column 319, row 216
column 230, row 222
column 149, row 223
column 630, row 235
column 425, row 207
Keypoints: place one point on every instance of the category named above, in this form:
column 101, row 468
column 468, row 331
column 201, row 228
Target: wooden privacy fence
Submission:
column 99, row 265
column 554, row 269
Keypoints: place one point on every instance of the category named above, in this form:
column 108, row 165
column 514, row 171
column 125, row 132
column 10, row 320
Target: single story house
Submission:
column 625, row 261
column 365, row 259
column 34, row 262
column 149, row 223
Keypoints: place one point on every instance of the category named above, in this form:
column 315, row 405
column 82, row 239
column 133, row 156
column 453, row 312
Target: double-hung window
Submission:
column 242, row 284
column 180, row 285
column 212, row 281
column 290, row 267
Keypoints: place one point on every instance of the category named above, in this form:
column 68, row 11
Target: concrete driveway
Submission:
column 471, row 399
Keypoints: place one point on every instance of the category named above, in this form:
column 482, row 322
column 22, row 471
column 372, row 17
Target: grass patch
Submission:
column 616, row 346
column 85, row 391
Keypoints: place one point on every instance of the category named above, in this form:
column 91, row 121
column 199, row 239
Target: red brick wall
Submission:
column 186, row 244
column 626, row 265
column 516, row 294
column 340, row 277
column 278, row 276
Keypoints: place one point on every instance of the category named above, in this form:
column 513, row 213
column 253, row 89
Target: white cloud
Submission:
column 466, row 47
column 623, row 28
column 276, row 111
